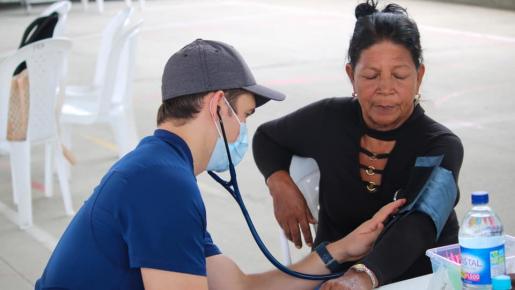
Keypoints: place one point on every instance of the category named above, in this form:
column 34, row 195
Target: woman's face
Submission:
column 386, row 81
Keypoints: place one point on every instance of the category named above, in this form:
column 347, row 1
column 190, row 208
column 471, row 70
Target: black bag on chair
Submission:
column 41, row 28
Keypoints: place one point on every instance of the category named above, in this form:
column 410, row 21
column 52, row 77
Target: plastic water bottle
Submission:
column 481, row 241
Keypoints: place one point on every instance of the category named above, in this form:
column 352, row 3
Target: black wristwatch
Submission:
column 326, row 257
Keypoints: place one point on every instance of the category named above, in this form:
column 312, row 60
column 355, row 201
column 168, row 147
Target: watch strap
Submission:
column 329, row 261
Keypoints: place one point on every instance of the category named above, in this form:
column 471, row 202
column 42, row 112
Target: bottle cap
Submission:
column 480, row 197
column 501, row 282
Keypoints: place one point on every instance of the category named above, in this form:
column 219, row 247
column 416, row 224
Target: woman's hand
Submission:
column 290, row 208
column 351, row 280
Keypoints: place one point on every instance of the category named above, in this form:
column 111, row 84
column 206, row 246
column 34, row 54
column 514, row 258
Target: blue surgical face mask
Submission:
column 219, row 160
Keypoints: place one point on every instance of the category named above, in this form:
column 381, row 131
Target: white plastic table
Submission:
column 419, row 283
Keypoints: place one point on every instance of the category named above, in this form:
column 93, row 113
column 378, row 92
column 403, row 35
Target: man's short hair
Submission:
column 184, row 108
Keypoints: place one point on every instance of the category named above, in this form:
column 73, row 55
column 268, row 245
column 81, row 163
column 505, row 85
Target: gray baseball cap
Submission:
column 207, row 65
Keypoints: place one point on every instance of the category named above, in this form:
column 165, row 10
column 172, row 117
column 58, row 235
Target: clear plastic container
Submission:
column 447, row 259
column 501, row 282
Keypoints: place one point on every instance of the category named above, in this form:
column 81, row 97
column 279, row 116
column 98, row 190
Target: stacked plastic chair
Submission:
column 61, row 8
column 108, row 99
column 100, row 4
column 45, row 61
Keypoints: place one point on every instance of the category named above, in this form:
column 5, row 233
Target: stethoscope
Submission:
column 232, row 187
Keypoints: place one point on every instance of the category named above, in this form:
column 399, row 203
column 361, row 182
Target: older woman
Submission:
column 370, row 148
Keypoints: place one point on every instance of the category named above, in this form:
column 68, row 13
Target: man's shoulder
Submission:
column 157, row 176
column 153, row 157
column 153, row 188
column 153, row 169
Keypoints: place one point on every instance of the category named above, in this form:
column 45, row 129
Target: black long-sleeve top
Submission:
column 330, row 131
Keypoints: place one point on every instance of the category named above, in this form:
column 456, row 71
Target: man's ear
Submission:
column 216, row 102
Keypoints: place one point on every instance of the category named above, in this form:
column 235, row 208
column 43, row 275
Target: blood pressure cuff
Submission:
column 431, row 189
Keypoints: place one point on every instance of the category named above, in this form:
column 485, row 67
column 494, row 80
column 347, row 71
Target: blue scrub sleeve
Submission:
column 210, row 249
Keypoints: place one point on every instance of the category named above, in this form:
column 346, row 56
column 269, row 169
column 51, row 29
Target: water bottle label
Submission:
column 478, row 266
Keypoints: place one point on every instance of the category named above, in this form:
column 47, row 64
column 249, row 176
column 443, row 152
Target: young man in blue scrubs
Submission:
column 144, row 226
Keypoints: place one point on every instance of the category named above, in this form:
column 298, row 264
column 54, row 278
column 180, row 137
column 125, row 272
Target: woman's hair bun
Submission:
column 365, row 9
column 394, row 8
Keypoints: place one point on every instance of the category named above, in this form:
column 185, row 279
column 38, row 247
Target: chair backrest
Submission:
column 306, row 175
column 45, row 61
column 62, row 8
column 117, row 88
column 109, row 34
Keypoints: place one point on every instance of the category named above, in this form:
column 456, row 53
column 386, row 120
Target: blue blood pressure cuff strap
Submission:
column 431, row 190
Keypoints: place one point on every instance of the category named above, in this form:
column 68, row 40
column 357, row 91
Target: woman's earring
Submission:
column 354, row 94
column 416, row 100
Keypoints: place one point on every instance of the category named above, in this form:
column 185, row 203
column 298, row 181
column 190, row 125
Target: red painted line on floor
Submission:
column 38, row 186
column 303, row 80
column 5, row 165
column 466, row 91
column 292, row 81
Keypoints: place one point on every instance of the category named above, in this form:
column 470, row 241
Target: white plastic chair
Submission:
column 44, row 60
column 100, row 4
column 62, row 8
column 111, row 101
column 26, row 4
column 110, row 32
column 306, row 175
column 96, row 92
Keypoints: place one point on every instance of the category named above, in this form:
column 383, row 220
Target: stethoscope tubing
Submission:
column 237, row 196
column 232, row 187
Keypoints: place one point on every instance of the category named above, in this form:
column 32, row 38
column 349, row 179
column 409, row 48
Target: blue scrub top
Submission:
column 146, row 212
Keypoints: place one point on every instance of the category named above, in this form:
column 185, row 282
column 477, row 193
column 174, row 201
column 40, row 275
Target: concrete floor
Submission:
column 298, row 47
